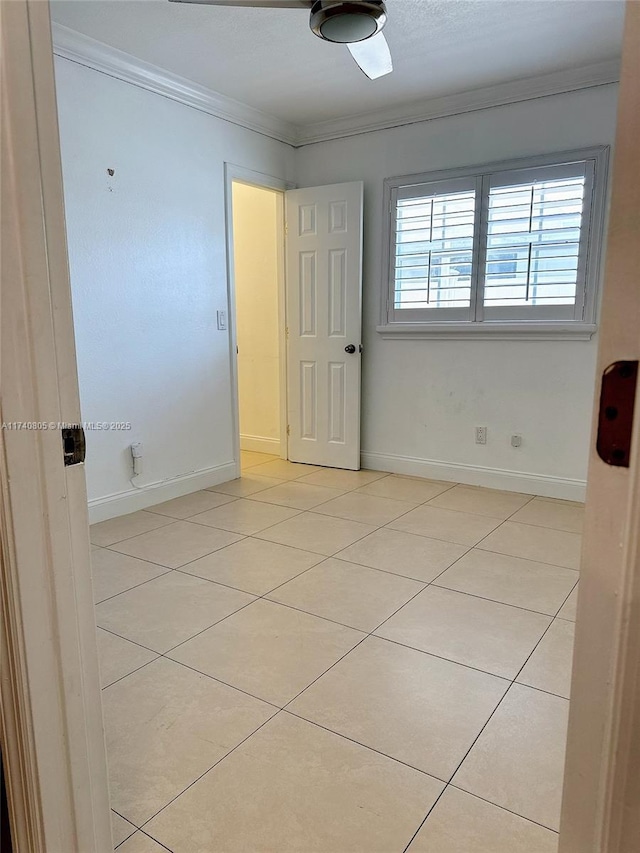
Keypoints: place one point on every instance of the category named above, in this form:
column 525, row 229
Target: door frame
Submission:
column 51, row 727
column 50, row 720
column 601, row 803
column 239, row 174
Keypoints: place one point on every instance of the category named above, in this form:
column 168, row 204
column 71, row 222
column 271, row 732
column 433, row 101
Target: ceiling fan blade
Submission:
column 373, row 56
column 256, row 4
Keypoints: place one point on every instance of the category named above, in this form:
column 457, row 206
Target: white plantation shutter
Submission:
column 536, row 243
column 517, row 242
column 433, row 247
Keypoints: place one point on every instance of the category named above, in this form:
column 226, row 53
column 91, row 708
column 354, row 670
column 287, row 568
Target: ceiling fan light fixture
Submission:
column 347, row 22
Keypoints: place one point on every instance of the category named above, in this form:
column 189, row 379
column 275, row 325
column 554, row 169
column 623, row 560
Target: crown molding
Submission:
column 83, row 50
column 530, row 88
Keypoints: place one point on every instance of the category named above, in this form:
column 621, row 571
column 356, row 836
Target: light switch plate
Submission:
column 222, row 320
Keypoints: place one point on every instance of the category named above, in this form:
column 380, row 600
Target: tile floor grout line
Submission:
column 494, row 600
column 546, row 527
column 159, row 843
column 327, row 618
column 495, row 529
column 135, row 586
column 249, row 603
column 337, row 556
column 202, row 775
column 450, row 782
column 242, row 536
column 126, row 538
column 533, row 651
column 368, row 634
column 217, row 622
column 477, row 737
column 424, row 820
column 440, row 657
column 127, row 674
column 155, row 651
column 364, row 745
column 165, row 656
column 573, row 589
column 225, row 683
column 258, row 594
column 135, row 828
column 431, row 583
column 296, row 483
column 542, row 562
column 129, row 556
column 135, row 643
column 296, row 512
column 476, row 796
column 504, row 521
column 503, row 808
column 386, row 523
column 175, row 521
column 336, row 518
column 542, row 690
column 120, row 843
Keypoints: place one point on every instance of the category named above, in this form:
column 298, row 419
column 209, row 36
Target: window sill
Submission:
column 489, row 331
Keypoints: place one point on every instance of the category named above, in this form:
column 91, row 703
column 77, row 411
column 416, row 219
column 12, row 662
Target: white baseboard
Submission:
column 260, row 445
column 100, row 509
column 474, row 475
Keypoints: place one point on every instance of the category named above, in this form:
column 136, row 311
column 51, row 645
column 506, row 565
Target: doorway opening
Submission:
column 257, row 317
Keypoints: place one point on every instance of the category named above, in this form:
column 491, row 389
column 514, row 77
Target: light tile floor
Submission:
column 308, row 660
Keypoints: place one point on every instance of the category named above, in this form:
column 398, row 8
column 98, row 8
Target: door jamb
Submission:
column 240, row 174
column 51, row 727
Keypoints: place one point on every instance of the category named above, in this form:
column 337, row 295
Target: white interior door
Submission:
column 324, row 321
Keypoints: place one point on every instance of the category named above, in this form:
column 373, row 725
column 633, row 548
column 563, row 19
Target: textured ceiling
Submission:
column 271, row 60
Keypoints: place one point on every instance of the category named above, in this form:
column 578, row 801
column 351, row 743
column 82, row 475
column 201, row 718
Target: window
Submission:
column 511, row 247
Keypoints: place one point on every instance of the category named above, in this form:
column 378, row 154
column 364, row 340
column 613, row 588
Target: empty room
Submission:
column 339, row 346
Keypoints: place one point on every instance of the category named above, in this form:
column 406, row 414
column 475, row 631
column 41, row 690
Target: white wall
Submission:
column 257, row 253
column 148, row 271
column 421, row 399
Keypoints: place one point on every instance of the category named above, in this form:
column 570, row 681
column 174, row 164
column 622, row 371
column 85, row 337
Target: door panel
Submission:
column 324, row 306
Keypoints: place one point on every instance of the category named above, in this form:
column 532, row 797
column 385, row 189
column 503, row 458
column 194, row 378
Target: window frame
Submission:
column 543, row 322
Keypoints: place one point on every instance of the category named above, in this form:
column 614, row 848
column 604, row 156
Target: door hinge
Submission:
column 286, row 332
column 286, row 229
column 73, row 445
column 288, row 429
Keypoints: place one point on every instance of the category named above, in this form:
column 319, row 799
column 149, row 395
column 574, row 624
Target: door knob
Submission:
column 350, row 348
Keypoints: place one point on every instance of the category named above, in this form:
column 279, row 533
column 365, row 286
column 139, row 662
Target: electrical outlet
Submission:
column 136, row 457
column 481, row 435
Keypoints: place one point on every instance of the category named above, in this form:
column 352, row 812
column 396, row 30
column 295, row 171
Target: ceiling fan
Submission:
column 356, row 23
